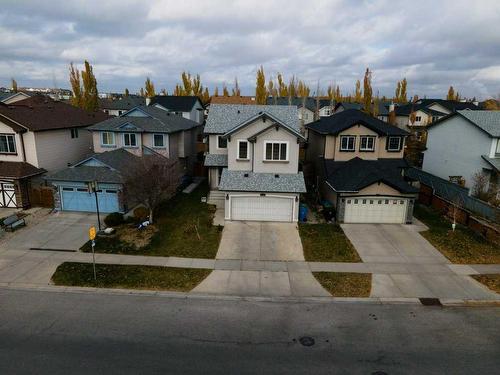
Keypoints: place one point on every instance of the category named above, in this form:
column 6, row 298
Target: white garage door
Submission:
column 262, row 208
column 375, row 210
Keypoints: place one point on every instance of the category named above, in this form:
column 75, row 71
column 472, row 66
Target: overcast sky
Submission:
column 432, row 43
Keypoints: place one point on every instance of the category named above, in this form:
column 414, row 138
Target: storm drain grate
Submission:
column 430, row 301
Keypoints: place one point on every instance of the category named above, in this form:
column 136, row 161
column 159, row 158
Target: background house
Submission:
column 39, row 134
column 120, row 105
column 189, row 107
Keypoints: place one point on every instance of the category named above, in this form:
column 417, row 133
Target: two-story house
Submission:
column 118, row 143
column 39, row 134
column 463, row 144
column 253, row 161
column 358, row 163
column 189, row 107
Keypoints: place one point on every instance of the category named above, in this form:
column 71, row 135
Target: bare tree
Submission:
column 479, row 184
column 152, row 179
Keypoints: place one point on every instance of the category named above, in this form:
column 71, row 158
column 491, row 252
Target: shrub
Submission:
column 114, row 219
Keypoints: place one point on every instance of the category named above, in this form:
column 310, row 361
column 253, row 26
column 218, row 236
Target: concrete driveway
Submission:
column 249, row 244
column 405, row 264
column 57, row 231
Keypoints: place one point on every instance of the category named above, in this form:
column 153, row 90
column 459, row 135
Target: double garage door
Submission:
column 79, row 199
column 375, row 210
column 262, row 208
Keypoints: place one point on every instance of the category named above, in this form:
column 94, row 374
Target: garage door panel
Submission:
column 375, row 210
column 262, row 208
column 78, row 199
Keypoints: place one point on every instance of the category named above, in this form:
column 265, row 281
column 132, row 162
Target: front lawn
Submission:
column 460, row 246
column 129, row 276
column 326, row 243
column 345, row 284
column 491, row 281
column 184, row 229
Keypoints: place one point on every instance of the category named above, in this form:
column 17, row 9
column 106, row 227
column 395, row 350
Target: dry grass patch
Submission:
column 345, row 284
column 491, row 281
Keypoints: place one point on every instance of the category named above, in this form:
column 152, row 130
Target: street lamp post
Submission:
column 92, row 186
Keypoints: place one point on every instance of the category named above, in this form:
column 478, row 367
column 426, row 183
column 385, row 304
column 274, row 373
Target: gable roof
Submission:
column 309, row 102
column 224, row 117
column 155, row 121
column 347, row 105
column 488, row 121
column 345, row 119
column 356, row 174
column 18, row 169
column 40, row 113
column 175, row 103
column 407, row 109
column 451, row 105
column 5, row 96
column 124, row 103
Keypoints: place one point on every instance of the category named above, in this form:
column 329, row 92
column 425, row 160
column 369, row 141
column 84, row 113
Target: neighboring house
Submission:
column 189, row 107
column 253, row 161
column 463, row 144
column 140, row 132
column 358, row 163
column 12, row 97
column 37, row 135
column 306, row 107
column 326, row 107
column 415, row 117
column 117, row 107
column 342, row 106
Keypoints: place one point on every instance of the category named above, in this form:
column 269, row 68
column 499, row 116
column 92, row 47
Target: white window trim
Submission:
column 108, row 144
column 361, row 142
column 347, row 149
column 279, row 160
column 389, row 144
column 217, row 143
column 497, row 149
column 14, row 143
column 238, row 149
column 130, row 146
column 164, row 143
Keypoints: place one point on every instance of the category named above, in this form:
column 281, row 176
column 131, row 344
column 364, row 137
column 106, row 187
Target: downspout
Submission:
column 22, row 146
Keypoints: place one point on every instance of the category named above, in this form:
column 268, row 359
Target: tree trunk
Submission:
column 150, row 216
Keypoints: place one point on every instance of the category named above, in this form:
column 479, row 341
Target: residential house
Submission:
column 189, row 107
column 37, row 135
column 120, row 142
column 253, row 161
column 118, row 106
column 464, row 144
column 306, row 107
column 358, row 167
column 12, row 97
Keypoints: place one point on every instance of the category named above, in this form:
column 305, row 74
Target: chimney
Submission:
column 148, row 101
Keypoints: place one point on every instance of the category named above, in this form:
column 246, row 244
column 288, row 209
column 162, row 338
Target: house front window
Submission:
column 158, row 140
column 7, row 144
column 221, row 142
column 367, row 143
column 276, row 151
column 107, row 139
column 394, row 144
column 74, row 133
column 129, row 140
column 348, row 143
column 243, row 150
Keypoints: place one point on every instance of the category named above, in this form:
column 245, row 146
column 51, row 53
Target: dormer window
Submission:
column 243, row 149
column 394, row 144
column 367, row 143
column 348, row 143
column 221, row 142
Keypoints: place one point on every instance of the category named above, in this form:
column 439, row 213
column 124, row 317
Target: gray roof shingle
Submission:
column 216, row 160
column 262, row 182
column 175, row 103
column 224, row 117
column 494, row 162
column 489, row 121
column 156, row 121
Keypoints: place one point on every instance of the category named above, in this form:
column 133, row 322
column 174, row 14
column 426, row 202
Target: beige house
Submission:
column 39, row 135
column 358, row 168
column 253, row 161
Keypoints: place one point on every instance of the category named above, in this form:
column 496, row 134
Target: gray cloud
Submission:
column 433, row 44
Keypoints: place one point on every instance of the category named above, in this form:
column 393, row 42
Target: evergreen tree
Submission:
column 127, row 93
column 149, row 88
column 358, row 95
column 451, row 94
column 367, row 92
column 90, row 93
column 260, row 89
column 74, row 80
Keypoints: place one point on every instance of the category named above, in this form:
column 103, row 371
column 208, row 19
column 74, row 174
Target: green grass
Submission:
column 129, row 276
column 491, row 281
column 179, row 220
column 460, row 246
column 345, row 284
column 326, row 243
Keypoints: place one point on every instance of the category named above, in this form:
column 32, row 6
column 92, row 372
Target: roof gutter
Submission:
column 340, row 191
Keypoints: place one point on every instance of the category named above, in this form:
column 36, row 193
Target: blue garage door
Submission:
column 79, row 199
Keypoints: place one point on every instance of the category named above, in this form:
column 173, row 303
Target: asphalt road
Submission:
column 85, row 333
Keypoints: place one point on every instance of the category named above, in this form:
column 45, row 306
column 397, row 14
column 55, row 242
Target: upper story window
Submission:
column 243, row 149
column 129, row 140
column 158, row 140
column 327, row 112
column 221, row 142
column 394, row 144
column 107, row 139
column 276, row 151
column 74, row 133
column 348, row 143
column 418, row 118
column 7, row 144
column 367, row 143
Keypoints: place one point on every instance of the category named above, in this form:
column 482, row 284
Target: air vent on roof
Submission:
column 276, row 176
column 245, row 175
column 239, row 111
column 260, row 112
